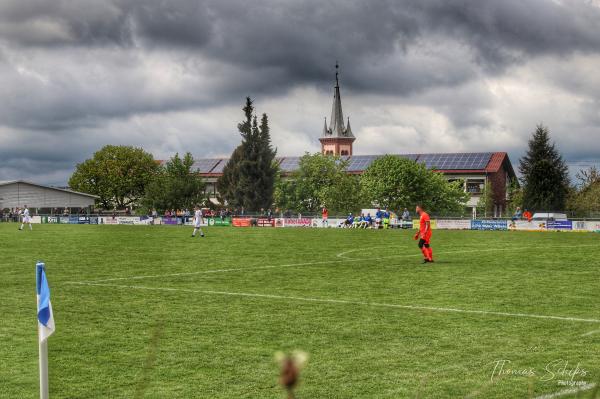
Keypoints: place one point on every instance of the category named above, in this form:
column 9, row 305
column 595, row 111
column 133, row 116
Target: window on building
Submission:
column 345, row 152
column 475, row 186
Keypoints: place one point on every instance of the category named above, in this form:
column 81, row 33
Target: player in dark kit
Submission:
column 424, row 234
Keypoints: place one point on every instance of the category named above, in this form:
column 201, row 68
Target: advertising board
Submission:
column 559, row 225
column 489, row 225
column 240, row 222
column 301, row 222
column 265, row 222
column 219, row 221
column 526, row 226
column 593, row 226
column 453, row 224
column 416, row 223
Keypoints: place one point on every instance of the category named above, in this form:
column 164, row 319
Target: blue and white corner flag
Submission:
column 44, row 313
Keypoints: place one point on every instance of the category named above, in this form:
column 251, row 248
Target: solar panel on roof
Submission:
column 465, row 161
column 220, row 166
column 205, row 165
column 289, row 164
column 361, row 162
column 412, row 157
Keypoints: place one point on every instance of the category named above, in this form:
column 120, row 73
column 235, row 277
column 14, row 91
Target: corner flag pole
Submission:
column 44, row 391
column 45, row 325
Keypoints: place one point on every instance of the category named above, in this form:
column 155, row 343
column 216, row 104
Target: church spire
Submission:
column 337, row 139
column 336, row 123
column 337, row 116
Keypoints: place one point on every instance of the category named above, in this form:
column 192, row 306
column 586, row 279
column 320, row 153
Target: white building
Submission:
column 18, row 193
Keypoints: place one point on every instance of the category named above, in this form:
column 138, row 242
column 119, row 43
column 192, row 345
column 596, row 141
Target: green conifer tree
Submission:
column 249, row 176
column 545, row 175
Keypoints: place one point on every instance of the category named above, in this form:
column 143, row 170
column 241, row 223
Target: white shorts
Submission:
column 26, row 219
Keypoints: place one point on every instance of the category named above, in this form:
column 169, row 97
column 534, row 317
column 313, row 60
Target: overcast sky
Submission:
column 427, row 75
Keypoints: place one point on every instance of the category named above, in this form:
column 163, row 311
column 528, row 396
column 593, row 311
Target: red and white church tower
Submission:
column 337, row 139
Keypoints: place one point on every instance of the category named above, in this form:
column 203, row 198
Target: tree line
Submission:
column 125, row 176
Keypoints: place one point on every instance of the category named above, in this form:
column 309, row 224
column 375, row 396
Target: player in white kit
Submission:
column 197, row 221
column 26, row 218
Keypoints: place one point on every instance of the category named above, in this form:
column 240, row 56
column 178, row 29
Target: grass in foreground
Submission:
column 213, row 333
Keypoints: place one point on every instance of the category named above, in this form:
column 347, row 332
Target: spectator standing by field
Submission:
column 386, row 218
column 325, row 217
column 518, row 214
column 378, row 218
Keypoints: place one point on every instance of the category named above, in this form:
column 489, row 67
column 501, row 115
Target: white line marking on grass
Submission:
column 343, row 301
column 566, row 392
column 239, row 269
column 587, row 334
column 470, row 250
column 340, row 255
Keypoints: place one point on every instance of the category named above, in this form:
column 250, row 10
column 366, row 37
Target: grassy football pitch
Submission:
column 147, row 311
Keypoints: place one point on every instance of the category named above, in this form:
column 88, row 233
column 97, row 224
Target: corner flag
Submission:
column 44, row 314
column 45, row 325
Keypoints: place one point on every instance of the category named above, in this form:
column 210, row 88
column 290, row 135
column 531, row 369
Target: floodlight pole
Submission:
column 43, row 347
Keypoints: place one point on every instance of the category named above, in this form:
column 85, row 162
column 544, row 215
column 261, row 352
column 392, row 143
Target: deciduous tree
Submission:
column 320, row 180
column 398, row 183
column 176, row 186
column 117, row 174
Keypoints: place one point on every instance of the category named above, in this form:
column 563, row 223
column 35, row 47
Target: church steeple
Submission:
column 337, row 139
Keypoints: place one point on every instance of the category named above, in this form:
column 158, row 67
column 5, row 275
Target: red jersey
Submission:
column 325, row 213
column 425, row 226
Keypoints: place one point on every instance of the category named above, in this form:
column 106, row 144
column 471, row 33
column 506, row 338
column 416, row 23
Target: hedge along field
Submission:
column 147, row 311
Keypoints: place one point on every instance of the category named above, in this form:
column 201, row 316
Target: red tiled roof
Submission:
column 496, row 162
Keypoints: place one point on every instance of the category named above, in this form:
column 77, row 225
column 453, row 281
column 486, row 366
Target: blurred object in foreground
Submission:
column 290, row 365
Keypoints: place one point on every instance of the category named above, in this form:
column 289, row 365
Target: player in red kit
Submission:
column 424, row 234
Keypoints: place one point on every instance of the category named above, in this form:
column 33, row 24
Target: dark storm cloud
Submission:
column 303, row 37
column 70, row 69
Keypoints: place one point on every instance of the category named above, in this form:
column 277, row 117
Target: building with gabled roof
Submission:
column 18, row 193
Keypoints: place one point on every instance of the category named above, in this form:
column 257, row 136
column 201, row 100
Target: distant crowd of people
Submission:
column 381, row 219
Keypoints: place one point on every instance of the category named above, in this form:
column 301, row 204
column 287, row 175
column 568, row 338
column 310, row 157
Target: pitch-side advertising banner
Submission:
column 240, row 222
column 303, row 222
column 593, row 226
column 488, row 225
column 219, row 222
column 453, row 224
column 559, row 225
column 416, row 223
column 331, row 222
column 265, row 222
column 527, row 226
